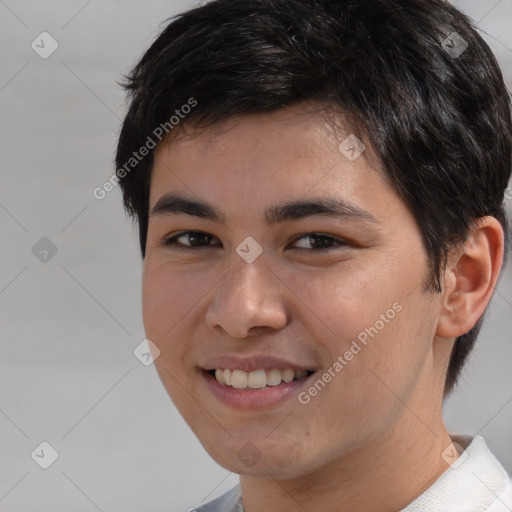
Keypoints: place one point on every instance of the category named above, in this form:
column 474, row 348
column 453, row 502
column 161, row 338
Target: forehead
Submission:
column 290, row 153
column 287, row 123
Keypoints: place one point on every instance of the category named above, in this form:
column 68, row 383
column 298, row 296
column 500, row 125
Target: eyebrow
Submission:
column 176, row 204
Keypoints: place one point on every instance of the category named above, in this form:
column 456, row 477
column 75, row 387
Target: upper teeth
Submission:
column 256, row 379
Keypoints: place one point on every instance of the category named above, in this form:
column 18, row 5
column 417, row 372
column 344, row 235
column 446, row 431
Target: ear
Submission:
column 470, row 278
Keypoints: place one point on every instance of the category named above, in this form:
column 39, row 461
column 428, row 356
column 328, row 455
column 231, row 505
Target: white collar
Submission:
column 476, row 482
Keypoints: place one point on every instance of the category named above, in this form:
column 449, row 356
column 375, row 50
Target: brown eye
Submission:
column 195, row 239
column 319, row 241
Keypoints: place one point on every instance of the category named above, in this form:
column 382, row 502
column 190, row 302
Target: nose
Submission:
column 248, row 298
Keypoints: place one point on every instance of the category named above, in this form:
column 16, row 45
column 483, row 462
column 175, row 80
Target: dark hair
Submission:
column 438, row 119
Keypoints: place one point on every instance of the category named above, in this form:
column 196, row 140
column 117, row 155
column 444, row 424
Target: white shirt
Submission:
column 476, row 482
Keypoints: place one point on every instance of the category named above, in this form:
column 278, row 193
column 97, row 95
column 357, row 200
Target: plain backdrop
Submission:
column 71, row 270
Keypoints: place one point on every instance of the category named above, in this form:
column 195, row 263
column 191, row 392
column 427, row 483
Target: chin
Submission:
column 246, row 456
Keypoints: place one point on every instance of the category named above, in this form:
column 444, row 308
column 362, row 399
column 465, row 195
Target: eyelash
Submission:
column 172, row 241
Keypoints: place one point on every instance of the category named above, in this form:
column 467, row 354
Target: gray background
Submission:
column 68, row 374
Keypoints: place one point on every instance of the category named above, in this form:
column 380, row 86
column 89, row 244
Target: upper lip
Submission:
column 253, row 362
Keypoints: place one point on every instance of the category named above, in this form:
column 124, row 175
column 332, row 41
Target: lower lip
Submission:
column 254, row 398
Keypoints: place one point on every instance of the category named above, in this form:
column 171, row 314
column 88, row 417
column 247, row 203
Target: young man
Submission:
column 319, row 190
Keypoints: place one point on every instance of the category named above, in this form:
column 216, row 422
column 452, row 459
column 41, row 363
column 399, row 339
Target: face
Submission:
column 276, row 255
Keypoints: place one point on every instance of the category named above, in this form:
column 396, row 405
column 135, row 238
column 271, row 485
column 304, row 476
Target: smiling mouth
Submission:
column 257, row 379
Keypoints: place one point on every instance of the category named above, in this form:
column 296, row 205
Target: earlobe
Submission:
column 470, row 278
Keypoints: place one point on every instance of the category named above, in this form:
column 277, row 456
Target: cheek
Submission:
column 342, row 303
column 374, row 323
column 168, row 298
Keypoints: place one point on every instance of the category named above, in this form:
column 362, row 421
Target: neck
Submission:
column 384, row 475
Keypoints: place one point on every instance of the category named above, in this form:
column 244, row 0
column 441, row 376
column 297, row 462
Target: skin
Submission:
column 373, row 438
